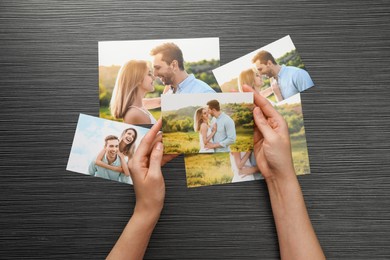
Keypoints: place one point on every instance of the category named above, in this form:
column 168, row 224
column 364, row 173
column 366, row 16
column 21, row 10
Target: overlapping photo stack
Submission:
column 205, row 114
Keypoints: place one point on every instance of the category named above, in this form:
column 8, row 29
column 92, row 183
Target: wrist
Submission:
column 281, row 178
column 148, row 216
column 283, row 187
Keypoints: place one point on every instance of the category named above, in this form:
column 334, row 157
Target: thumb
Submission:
column 262, row 123
column 155, row 159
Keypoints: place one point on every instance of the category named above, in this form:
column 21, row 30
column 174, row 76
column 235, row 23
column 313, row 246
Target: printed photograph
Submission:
column 134, row 74
column 102, row 148
column 207, row 123
column 275, row 71
column 211, row 169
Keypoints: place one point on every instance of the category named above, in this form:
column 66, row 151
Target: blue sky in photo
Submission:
column 89, row 140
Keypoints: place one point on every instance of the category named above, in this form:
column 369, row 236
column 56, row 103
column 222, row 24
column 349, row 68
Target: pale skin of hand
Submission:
column 149, row 187
column 297, row 239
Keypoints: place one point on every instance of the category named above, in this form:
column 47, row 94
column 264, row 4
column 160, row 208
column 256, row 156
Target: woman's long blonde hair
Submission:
column 198, row 118
column 130, row 77
column 246, row 77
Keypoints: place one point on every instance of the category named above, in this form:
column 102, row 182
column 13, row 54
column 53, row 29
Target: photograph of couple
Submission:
column 207, row 123
column 134, row 74
column 103, row 148
column 234, row 166
column 138, row 83
column 275, row 71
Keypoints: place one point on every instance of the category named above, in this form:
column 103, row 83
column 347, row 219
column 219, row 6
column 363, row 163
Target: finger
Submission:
column 257, row 136
column 262, row 102
column 158, row 138
column 155, row 159
column 262, row 123
column 146, row 142
column 167, row 158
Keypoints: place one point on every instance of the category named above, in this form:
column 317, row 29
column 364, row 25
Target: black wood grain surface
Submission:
column 48, row 75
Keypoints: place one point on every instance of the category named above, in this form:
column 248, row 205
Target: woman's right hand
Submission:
column 271, row 139
column 296, row 236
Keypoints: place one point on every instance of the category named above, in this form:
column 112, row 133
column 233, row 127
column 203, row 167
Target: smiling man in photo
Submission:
column 111, row 158
column 168, row 64
column 290, row 80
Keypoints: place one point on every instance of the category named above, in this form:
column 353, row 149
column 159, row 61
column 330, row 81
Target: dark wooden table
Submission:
column 48, row 75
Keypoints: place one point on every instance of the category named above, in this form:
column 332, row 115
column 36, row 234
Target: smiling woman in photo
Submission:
column 134, row 80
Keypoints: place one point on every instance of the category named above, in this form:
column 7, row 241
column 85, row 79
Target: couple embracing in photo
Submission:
column 112, row 161
column 215, row 134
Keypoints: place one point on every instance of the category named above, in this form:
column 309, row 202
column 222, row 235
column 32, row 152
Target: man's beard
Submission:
column 167, row 80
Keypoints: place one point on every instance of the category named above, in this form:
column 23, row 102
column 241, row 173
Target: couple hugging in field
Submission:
column 217, row 134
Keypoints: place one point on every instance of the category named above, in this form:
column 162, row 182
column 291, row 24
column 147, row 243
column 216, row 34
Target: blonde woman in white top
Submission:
column 134, row 80
column 206, row 132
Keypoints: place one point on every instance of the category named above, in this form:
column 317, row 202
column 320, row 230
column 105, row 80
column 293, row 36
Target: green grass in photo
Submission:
column 180, row 142
column 208, row 169
column 104, row 112
column 244, row 140
column 299, row 152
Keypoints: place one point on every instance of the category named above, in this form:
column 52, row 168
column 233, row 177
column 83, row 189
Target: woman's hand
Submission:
column 149, row 188
column 271, row 139
column 145, row 169
column 297, row 239
column 125, row 168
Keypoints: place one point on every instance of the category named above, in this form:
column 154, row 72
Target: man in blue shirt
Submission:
column 168, row 65
column 291, row 80
column 111, row 158
column 226, row 129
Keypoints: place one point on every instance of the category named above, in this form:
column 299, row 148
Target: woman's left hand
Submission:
column 145, row 169
column 149, row 188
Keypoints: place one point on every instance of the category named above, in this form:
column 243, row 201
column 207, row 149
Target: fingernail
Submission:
column 256, row 110
column 159, row 146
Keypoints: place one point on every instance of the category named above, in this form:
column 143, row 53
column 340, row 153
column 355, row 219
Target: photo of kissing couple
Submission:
column 134, row 74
